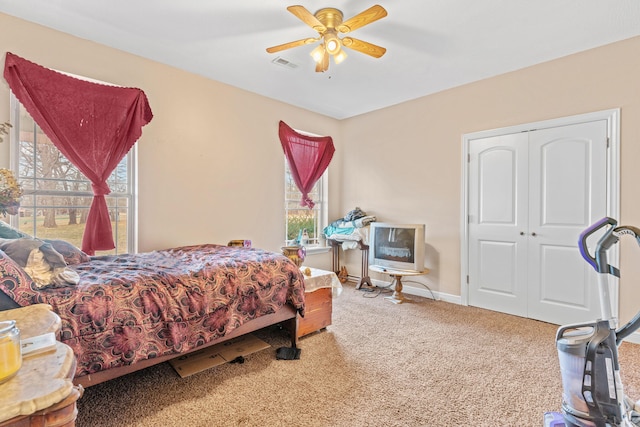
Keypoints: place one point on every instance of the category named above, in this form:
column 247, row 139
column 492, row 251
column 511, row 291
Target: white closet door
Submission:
column 568, row 186
column 498, row 187
column 531, row 194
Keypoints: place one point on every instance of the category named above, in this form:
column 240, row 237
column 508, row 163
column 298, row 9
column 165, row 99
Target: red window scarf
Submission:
column 308, row 156
column 93, row 125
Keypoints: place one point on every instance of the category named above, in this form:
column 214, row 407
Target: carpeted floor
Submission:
column 425, row 363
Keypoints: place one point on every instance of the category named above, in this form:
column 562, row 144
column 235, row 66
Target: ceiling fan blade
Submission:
column 307, row 17
column 322, row 66
column 289, row 45
column 364, row 47
column 363, row 18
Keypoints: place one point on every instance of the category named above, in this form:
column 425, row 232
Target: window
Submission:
column 299, row 218
column 57, row 196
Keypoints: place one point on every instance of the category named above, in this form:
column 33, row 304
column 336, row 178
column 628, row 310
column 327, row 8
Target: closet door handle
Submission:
column 522, row 233
column 534, row 234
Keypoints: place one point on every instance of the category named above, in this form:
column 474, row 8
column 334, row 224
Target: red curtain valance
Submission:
column 93, row 125
column 308, row 156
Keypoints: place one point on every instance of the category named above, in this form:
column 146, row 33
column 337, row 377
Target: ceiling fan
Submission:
column 328, row 22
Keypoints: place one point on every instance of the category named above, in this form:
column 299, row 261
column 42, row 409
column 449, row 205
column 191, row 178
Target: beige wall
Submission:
column 217, row 147
column 403, row 163
column 210, row 162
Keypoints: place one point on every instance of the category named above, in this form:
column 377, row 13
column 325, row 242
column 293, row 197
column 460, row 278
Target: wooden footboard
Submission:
column 287, row 316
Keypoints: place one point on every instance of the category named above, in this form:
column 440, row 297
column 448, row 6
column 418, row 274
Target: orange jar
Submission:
column 10, row 351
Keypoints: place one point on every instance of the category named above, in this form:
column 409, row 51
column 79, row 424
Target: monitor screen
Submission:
column 395, row 244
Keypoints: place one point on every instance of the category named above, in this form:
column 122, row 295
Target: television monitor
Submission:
column 397, row 246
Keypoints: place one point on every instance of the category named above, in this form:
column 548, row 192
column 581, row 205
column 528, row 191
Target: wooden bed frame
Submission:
column 287, row 316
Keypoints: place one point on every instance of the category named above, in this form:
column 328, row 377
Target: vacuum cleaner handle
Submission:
column 562, row 329
column 599, row 260
column 599, row 263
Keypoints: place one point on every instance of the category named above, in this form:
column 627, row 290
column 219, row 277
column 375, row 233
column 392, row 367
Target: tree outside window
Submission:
column 57, row 196
column 299, row 218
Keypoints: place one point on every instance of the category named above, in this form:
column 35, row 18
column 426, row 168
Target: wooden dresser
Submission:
column 42, row 392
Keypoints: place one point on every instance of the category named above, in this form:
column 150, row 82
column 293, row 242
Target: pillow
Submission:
column 72, row 255
column 8, row 232
column 40, row 261
column 19, row 250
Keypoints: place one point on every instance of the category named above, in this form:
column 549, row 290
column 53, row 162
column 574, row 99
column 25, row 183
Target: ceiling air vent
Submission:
column 284, row 63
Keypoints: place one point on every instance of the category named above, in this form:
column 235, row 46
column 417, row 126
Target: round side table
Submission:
column 397, row 297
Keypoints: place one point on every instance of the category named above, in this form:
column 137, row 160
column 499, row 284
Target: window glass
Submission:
column 57, row 196
column 300, row 218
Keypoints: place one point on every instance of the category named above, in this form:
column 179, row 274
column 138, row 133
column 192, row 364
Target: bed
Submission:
column 128, row 312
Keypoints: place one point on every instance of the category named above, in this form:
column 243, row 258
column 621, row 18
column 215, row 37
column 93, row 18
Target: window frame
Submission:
column 323, row 210
column 132, row 175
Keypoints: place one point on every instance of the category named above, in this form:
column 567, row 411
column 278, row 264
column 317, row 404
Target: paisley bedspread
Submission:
column 132, row 307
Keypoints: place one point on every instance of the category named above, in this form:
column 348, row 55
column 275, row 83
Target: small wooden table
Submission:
column 397, row 297
column 364, row 267
column 42, row 392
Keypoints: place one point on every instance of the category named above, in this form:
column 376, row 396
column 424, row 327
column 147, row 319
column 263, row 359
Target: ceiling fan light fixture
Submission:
column 332, row 42
column 340, row 56
column 318, row 53
column 332, row 46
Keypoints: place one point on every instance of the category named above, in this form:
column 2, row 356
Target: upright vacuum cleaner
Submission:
column 588, row 352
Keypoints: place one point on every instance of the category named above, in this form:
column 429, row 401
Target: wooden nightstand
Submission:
column 42, row 392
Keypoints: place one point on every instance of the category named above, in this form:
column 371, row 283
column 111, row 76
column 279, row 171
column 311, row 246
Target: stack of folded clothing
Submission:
column 351, row 229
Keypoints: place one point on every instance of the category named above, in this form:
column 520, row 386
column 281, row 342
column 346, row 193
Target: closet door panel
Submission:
column 497, row 223
column 567, row 184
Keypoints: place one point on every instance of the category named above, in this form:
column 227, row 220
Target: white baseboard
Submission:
column 417, row 291
column 634, row 338
column 438, row 296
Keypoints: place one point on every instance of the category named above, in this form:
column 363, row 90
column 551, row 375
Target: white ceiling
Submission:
column 432, row 45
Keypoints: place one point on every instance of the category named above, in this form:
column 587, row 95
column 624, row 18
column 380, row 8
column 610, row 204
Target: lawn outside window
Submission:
column 299, row 218
column 57, row 196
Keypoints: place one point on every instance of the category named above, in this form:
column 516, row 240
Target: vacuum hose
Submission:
column 634, row 324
